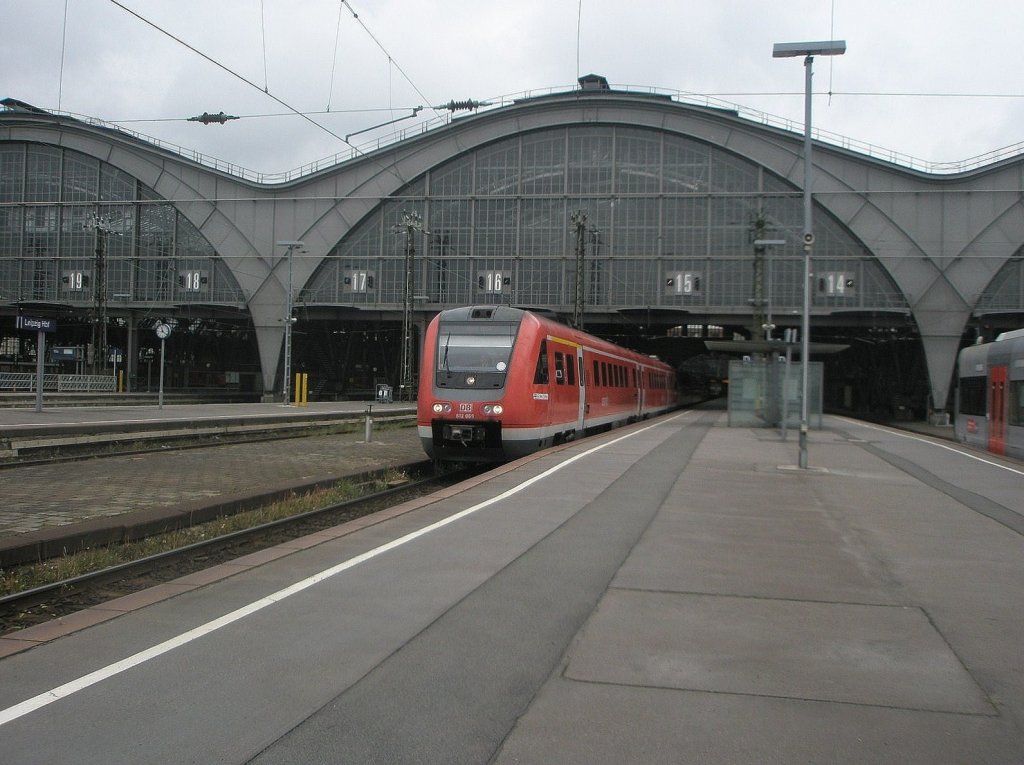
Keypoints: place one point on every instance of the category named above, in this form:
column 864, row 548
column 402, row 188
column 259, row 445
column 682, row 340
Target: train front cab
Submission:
column 462, row 399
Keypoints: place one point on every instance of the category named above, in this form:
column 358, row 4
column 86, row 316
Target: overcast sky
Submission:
column 934, row 79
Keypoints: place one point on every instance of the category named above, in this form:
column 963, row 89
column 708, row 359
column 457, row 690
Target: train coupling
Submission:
column 464, row 433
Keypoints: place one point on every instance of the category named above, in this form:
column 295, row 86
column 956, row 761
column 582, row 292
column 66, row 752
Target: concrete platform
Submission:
column 49, row 508
column 671, row 592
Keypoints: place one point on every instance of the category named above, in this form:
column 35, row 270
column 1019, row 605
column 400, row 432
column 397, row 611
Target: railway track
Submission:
column 44, row 603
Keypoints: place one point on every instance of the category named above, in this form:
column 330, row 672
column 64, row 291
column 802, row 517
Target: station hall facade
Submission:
column 655, row 204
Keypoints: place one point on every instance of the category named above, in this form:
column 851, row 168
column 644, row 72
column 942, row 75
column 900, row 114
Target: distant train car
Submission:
column 498, row 383
column 990, row 395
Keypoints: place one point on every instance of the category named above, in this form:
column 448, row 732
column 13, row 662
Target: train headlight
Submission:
column 440, row 408
column 471, row 380
column 492, row 408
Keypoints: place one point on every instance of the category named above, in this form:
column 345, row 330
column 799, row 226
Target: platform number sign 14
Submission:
column 836, row 284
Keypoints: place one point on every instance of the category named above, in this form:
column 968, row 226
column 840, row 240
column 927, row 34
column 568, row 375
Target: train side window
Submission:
column 597, row 373
column 604, row 374
column 559, row 367
column 1016, row 402
column 570, row 369
column 973, row 396
column 540, row 376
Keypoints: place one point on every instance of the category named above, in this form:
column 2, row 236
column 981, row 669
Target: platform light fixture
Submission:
column 291, row 245
column 808, row 50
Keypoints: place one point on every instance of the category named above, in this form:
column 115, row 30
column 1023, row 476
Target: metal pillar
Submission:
column 288, row 321
column 411, row 224
column 808, row 50
column 579, row 225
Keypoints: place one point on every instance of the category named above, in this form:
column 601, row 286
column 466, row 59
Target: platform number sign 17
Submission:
column 357, row 280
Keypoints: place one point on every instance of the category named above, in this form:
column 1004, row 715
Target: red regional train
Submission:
column 497, row 383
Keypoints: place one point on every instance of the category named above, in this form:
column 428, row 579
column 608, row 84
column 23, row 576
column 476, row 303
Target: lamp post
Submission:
column 288, row 321
column 808, row 50
column 411, row 225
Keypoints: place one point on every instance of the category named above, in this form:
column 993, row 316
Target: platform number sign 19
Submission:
column 683, row 283
column 74, row 281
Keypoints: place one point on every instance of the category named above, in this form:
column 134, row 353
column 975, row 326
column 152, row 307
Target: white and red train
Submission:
column 497, row 383
column 990, row 395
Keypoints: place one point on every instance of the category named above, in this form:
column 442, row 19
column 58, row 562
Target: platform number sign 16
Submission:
column 493, row 281
column 683, row 283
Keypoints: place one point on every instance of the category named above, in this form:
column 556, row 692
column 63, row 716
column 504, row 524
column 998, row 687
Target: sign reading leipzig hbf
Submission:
column 40, row 325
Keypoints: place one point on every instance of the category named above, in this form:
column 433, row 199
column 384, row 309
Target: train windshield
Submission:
column 473, row 353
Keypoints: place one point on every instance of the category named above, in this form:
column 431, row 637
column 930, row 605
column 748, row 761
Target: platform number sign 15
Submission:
column 683, row 283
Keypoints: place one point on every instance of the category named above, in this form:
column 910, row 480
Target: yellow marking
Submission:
column 563, row 341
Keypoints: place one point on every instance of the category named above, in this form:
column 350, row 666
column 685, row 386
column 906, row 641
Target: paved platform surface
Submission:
column 51, row 503
column 676, row 591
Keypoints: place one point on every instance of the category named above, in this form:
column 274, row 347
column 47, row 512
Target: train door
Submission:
column 997, row 410
column 582, row 410
column 638, row 389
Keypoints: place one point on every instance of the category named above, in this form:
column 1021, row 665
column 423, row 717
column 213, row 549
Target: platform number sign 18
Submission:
column 192, row 281
column 683, row 283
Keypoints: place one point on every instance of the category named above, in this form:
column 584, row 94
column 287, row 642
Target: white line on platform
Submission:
column 933, row 443
column 81, row 683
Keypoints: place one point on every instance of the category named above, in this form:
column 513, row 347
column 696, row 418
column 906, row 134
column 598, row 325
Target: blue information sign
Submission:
column 66, row 353
column 40, row 325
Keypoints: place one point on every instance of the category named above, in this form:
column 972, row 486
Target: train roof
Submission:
column 503, row 313
column 492, row 312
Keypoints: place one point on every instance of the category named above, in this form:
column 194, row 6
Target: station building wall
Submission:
column 673, row 198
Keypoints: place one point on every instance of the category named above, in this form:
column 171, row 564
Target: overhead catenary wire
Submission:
column 263, row 40
column 265, row 115
column 230, row 71
column 392, row 167
column 391, row 59
column 334, row 58
column 63, row 47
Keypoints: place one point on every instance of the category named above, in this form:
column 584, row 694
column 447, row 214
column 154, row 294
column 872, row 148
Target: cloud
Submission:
column 397, row 55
